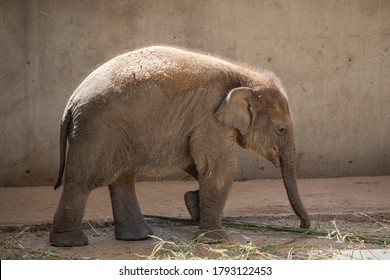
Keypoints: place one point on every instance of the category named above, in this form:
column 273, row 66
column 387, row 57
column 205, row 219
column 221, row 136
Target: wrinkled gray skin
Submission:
column 160, row 108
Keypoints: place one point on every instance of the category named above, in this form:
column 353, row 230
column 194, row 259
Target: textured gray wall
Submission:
column 332, row 56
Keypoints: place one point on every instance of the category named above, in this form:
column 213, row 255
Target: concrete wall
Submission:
column 333, row 57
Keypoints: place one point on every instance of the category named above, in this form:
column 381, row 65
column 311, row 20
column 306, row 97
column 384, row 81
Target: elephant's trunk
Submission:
column 289, row 173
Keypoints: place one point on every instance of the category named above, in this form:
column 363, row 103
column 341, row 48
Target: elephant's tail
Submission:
column 63, row 138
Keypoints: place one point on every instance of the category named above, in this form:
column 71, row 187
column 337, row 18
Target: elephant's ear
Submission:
column 234, row 109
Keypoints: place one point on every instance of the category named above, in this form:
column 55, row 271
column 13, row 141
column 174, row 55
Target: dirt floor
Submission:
column 345, row 209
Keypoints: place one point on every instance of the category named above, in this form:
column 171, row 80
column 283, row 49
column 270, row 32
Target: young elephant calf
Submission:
column 161, row 108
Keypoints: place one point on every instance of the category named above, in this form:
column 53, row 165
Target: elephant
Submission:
column 158, row 109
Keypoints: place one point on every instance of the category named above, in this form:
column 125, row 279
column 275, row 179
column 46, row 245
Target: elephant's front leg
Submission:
column 129, row 221
column 214, row 158
column 215, row 182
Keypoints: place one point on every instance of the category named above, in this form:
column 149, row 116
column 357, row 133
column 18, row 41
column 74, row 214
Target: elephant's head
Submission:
column 263, row 119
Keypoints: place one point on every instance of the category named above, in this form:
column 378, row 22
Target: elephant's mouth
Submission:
column 272, row 155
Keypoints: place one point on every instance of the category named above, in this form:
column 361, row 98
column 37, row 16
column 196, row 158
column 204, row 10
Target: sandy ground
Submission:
column 357, row 204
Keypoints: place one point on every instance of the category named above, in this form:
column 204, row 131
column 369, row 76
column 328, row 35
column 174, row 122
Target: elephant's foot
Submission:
column 133, row 231
column 191, row 200
column 212, row 236
column 68, row 238
column 305, row 223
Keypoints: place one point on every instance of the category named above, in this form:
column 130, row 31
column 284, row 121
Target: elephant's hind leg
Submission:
column 67, row 230
column 129, row 221
column 192, row 202
column 191, row 198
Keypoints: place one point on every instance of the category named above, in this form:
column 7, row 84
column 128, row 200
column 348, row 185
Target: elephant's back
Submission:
column 161, row 72
column 156, row 59
column 169, row 68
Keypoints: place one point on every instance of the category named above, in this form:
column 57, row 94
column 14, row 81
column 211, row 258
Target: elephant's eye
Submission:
column 280, row 131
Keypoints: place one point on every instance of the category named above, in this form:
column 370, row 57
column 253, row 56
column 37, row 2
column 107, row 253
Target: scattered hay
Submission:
column 226, row 251
column 12, row 247
column 194, row 250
